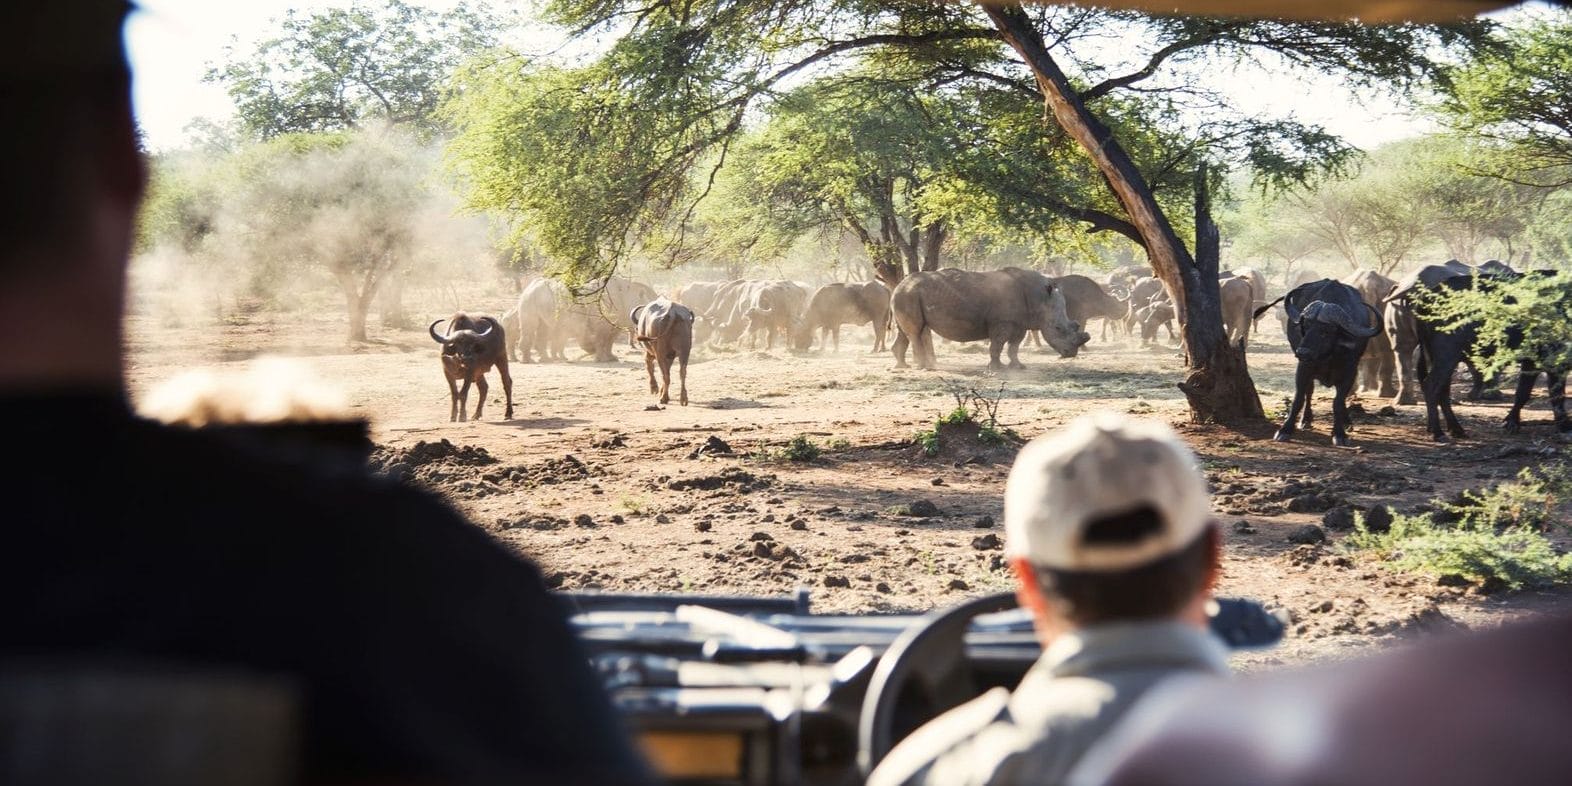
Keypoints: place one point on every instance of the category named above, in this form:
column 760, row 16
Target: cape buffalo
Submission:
column 1328, row 330
column 665, row 330
column 834, row 305
column 471, row 345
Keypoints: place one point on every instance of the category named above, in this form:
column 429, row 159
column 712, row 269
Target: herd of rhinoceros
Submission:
column 1380, row 339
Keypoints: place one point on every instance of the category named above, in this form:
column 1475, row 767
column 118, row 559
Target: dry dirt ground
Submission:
column 608, row 492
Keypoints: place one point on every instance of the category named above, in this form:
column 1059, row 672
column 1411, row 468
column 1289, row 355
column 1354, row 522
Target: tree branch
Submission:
column 1109, row 85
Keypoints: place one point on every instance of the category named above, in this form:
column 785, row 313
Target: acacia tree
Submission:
column 1409, row 195
column 1516, row 93
column 600, row 156
column 344, row 204
column 337, row 68
column 1259, row 229
column 857, row 156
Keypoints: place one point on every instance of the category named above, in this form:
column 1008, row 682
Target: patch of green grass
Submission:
column 982, row 414
column 837, row 443
column 800, row 448
column 1494, row 535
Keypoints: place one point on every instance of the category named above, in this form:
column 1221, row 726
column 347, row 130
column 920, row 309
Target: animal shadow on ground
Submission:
column 727, row 402
column 539, row 423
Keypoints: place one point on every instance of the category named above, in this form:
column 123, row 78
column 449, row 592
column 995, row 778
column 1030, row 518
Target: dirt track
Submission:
column 606, row 492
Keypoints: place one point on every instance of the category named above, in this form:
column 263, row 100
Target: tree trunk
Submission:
column 886, row 261
column 1217, row 382
column 358, row 306
column 391, row 306
column 932, row 241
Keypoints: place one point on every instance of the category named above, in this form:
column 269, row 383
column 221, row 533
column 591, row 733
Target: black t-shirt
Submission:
column 423, row 649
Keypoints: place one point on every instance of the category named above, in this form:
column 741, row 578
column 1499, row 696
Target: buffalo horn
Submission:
column 1334, row 314
column 433, row 331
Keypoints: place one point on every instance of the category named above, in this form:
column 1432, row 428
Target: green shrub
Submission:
column 800, row 448
column 972, row 409
column 1490, row 535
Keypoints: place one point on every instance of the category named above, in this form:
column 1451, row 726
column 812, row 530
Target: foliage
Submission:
column 609, row 158
column 1529, row 317
column 1490, row 535
column 973, row 409
column 858, row 156
column 354, row 208
column 799, row 449
column 337, row 68
column 1516, row 93
column 565, row 154
column 1407, row 198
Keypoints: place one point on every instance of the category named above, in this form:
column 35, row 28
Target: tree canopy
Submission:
column 1417, row 196
column 1516, row 93
column 337, row 68
column 634, row 136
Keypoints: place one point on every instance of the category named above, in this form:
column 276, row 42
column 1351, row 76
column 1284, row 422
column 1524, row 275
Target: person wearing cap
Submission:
column 406, row 645
column 1114, row 550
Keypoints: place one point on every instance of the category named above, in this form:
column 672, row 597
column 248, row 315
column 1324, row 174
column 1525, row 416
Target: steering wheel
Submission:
column 930, row 658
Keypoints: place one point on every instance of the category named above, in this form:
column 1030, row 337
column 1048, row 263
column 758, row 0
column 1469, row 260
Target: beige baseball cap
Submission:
column 1098, row 466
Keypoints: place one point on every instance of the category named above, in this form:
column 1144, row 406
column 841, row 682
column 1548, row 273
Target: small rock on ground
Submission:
column 1309, row 533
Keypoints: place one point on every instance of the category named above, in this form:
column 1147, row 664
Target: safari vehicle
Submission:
column 741, row 690
column 761, row 691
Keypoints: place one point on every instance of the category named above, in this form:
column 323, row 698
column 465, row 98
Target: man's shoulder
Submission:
column 337, row 505
column 912, row 758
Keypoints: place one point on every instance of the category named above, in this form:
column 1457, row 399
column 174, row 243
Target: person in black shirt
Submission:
column 421, row 650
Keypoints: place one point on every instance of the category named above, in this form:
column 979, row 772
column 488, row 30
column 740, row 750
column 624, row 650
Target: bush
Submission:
column 800, row 448
column 972, row 409
column 1495, row 535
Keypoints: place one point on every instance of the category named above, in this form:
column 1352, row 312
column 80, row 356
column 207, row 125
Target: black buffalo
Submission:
column 471, row 346
column 1443, row 346
column 1328, row 329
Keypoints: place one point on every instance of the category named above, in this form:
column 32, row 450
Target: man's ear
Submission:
column 1214, row 556
column 1028, row 590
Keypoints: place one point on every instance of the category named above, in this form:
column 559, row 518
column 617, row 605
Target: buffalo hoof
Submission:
column 1511, row 425
column 1440, row 439
column 1282, row 436
column 1405, row 400
column 665, row 400
column 1018, row 366
column 1340, row 442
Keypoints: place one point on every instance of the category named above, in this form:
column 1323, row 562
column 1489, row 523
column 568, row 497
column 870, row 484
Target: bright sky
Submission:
column 172, row 43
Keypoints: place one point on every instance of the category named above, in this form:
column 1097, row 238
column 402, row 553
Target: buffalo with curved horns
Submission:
column 471, row 345
column 1328, row 331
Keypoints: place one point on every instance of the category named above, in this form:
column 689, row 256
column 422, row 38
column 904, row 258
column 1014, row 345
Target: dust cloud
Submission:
column 303, row 228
